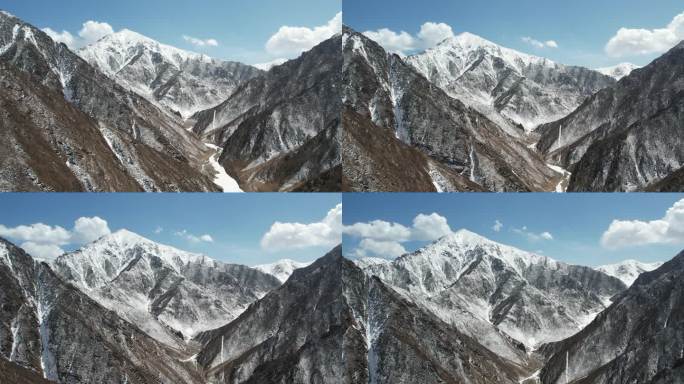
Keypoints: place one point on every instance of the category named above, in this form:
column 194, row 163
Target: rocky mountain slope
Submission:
column 375, row 160
column 506, row 298
column 147, row 144
column 628, row 270
column 638, row 339
column 52, row 330
column 302, row 332
column 517, row 91
column 385, row 91
column 330, row 323
column 185, row 82
column 281, row 129
column 625, row 137
column 170, row 294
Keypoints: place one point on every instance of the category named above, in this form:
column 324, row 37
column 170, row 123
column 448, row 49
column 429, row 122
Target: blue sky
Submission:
column 575, row 222
column 581, row 28
column 241, row 28
column 235, row 222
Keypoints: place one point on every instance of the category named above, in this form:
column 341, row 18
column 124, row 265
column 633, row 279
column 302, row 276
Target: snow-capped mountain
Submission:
column 166, row 292
column 626, row 137
column 618, row 71
column 639, row 338
column 51, row 330
column 628, row 270
column 69, row 127
column 461, row 148
column 182, row 81
column 466, row 279
column 281, row 269
column 332, row 324
column 511, row 88
column 72, row 127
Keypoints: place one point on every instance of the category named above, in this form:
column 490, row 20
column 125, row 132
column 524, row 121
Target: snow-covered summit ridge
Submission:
column 628, row 270
column 461, row 244
column 99, row 262
column 618, row 71
column 125, row 44
column 281, row 269
column 466, row 44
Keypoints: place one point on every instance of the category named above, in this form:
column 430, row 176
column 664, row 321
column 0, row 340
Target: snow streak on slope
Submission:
column 628, row 270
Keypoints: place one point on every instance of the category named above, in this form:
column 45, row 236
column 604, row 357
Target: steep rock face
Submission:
column 628, row 270
column 374, row 160
column 149, row 143
column 70, row 156
column 515, row 90
column 409, row 345
column 495, row 292
column 638, row 339
column 303, row 332
column 182, row 81
column 330, row 323
column 392, row 94
column 674, row 182
column 170, row 294
column 62, row 335
column 627, row 136
column 276, row 114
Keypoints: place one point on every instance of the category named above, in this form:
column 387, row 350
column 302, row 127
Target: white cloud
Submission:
column 403, row 42
column 93, row 31
column 385, row 249
column 668, row 230
column 45, row 241
column 42, row 251
column 640, row 41
column 87, row 229
column 497, row 226
column 425, row 228
column 325, row 233
column 38, row 233
column 61, row 37
column 90, row 32
column 158, row 230
column 379, row 230
column 382, row 238
column 432, row 33
column 430, row 227
column 201, row 43
column 532, row 236
column 194, row 238
column 291, row 41
column 540, row 44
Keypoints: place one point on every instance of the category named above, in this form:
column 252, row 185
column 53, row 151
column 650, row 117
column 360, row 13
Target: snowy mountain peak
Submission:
column 629, row 270
column 97, row 263
column 467, row 43
column 281, row 269
column 123, row 46
column 618, row 71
